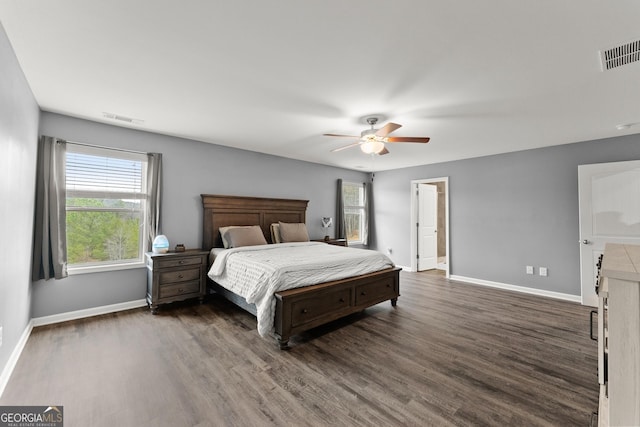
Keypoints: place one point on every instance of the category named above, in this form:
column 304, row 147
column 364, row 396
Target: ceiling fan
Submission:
column 371, row 141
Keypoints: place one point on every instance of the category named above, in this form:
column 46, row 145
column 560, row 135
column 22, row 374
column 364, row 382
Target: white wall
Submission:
column 19, row 116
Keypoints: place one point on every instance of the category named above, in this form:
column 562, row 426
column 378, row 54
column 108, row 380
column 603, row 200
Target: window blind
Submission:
column 105, row 177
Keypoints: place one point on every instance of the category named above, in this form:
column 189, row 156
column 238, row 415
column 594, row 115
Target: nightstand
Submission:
column 175, row 276
column 337, row 242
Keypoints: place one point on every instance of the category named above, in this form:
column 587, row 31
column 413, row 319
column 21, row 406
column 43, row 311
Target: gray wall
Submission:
column 191, row 168
column 506, row 211
column 19, row 115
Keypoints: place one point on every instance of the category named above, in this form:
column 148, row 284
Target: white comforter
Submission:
column 257, row 272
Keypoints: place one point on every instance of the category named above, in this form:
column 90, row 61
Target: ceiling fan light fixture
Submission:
column 372, row 147
column 368, row 134
column 372, row 141
column 367, row 148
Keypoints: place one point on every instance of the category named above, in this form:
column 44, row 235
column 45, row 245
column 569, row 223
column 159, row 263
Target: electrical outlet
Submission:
column 529, row 269
column 543, row 271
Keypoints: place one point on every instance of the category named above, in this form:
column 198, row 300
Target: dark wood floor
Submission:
column 448, row 354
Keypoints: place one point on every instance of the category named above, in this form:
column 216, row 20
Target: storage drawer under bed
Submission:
column 308, row 309
column 373, row 292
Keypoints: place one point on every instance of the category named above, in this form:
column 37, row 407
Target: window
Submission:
column 105, row 207
column 353, row 196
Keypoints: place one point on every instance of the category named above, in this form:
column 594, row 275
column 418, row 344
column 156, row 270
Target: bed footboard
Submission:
column 300, row 309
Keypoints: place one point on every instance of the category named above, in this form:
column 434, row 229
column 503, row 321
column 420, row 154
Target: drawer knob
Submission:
column 180, row 290
column 181, row 261
column 363, row 293
column 304, row 311
column 180, row 276
column 388, row 285
column 341, row 299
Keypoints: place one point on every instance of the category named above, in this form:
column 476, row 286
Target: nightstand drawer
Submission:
column 183, row 261
column 179, row 276
column 179, row 289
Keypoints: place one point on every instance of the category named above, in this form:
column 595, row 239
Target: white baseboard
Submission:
column 522, row 289
column 15, row 355
column 89, row 312
column 405, row 268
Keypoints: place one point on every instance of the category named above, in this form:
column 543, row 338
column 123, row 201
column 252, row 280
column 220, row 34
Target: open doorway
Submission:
column 430, row 235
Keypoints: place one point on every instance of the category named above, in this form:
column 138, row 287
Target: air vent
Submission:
column 620, row 55
column 122, row 118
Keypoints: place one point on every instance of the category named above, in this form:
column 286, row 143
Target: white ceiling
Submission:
column 478, row 77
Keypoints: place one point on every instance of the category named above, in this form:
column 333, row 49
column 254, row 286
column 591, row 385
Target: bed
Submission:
column 299, row 309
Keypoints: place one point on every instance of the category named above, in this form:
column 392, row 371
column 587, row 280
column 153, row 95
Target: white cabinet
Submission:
column 619, row 336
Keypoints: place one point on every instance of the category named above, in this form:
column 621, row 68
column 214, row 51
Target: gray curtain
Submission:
column 368, row 189
column 154, row 196
column 50, row 227
column 341, row 232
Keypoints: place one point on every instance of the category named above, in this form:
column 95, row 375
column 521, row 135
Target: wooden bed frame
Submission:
column 298, row 309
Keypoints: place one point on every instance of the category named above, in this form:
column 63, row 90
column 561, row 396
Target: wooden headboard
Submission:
column 222, row 211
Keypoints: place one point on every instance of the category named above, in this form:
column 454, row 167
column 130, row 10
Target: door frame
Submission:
column 587, row 267
column 428, row 202
column 414, row 221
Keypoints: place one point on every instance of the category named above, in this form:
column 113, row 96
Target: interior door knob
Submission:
column 586, row 242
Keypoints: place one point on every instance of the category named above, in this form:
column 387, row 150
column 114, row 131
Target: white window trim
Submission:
column 77, row 269
column 360, row 207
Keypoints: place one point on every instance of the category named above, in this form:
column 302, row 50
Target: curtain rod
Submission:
column 106, row 148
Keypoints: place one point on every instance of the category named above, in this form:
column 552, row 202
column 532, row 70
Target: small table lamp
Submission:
column 327, row 221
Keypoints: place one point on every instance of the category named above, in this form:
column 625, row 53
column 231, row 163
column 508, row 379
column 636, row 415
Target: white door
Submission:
column 609, row 200
column 427, row 227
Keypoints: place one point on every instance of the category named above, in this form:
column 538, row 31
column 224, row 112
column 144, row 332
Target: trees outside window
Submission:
column 354, row 211
column 106, row 201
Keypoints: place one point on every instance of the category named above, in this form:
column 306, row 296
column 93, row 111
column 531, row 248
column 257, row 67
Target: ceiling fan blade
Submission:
column 384, row 151
column 341, row 136
column 387, row 129
column 406, row 139
column 346, row 146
